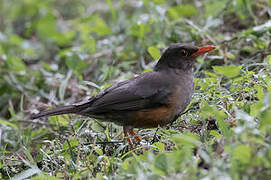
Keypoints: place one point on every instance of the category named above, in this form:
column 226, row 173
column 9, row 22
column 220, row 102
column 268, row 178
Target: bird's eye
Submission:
column 184, row 53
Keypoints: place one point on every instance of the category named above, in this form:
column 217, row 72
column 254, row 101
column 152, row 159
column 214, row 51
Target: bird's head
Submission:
column 181, row 56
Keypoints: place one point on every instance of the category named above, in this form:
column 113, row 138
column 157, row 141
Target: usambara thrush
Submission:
column 149, row 100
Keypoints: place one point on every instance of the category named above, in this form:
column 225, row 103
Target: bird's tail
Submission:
column 57, row 111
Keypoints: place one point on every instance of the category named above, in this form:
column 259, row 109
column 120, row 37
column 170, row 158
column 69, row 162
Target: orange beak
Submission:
column 203, row 50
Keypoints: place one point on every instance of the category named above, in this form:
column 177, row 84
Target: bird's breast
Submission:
column 183, row 93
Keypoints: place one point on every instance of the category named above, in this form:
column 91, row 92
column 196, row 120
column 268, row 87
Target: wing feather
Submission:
column 135, row 94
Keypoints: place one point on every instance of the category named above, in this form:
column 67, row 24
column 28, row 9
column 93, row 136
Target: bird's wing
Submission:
column 143, row 92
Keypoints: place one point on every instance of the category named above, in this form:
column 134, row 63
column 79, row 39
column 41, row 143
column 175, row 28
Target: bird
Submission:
column 149, row 100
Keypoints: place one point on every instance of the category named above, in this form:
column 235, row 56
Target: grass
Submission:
column 60, row 52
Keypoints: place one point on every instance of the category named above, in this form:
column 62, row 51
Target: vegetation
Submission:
column 60, row 52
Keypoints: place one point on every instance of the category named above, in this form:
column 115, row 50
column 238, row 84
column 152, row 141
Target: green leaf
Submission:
column 160, row 146
column 73, row 142
column 228, row 71
column 47, row 30
column 112, row 9
column 59, row 120
column 8, row 123
column 2, row 164
column 260, row 91
column 154, row 52
column 269, row 59
column 206, row 109
column 97, row 127
column 64, row 39
column 92, row 44
column 255, row 109
column 210, row 111
column 74, row 62
column 46, row 177
column 16, row 64
column 99, row 151
column 222, row 125
column 15, row 39
column 265, row 122
column 91, row 158
column 140, row 30
column 242, row 153
column 181, row 11
column 216, row 134
column 230, row 55
column 126, row 164
column 161, row 163
column 47, row 67
column 187, row 139
column 99, row 26
column 214, row 7
column 158, row 2
column 46, row 27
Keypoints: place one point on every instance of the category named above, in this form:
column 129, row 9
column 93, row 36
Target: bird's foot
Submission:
column 129, row 140
column 137, row 138
column 129, row 132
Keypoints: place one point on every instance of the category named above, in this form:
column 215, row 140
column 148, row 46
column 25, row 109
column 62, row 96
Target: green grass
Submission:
column 60, row 52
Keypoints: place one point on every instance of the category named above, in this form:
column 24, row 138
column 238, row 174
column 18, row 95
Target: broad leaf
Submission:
column 228, row 71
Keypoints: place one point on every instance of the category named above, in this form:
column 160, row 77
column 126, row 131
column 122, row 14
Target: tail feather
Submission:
column 57, row 111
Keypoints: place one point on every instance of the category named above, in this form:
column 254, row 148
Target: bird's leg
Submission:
column 126, row 134
column 155, row 136
column 137, row 138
